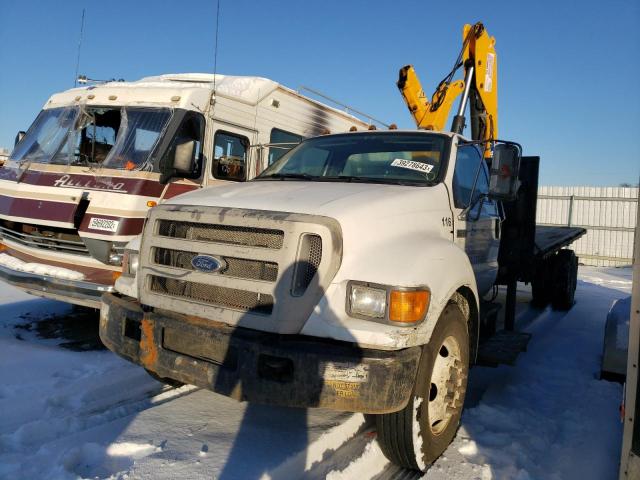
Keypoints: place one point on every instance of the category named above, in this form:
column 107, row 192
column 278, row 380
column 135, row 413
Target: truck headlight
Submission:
column 368, row 301
column 130, row 260
column 394, row 305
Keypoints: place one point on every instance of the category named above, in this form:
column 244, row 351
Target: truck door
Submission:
column 477, row 231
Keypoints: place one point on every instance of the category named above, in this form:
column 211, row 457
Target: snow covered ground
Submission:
column 85, row 413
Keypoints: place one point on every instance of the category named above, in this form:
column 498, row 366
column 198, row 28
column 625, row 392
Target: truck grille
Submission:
column 213, row 295
column 276, row 266
column 236, row 267
column 309, row 259
column 231, row 234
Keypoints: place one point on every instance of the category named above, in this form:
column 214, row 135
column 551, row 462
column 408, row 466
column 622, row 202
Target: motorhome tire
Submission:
column 416, row 436
column 565, row 278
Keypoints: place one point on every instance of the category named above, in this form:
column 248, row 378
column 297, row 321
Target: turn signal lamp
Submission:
column 408, row 306
column 151, row 204
column 3, row 247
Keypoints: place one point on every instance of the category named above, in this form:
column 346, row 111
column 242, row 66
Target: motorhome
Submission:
column 79, row 182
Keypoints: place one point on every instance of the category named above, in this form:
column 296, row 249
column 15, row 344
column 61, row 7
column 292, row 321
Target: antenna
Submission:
column 75, row 78
column 215, row 50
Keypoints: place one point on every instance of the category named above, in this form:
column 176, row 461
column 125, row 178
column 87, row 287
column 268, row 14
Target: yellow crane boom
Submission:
column 479, row 88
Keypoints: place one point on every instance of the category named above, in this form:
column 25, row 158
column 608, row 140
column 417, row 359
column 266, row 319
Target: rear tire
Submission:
column 541, row 284
column 565, row 279
column 417, row 435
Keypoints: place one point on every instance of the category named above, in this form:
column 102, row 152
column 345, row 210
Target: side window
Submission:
column 230, row 156
column 468, row 161
column 288, row 140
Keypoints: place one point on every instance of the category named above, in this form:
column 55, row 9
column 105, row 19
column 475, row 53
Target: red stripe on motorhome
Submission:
column 175, row 189
column 37, row 209
column 105, row 183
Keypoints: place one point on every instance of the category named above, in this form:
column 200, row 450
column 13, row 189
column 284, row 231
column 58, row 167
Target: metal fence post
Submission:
column 570, row 210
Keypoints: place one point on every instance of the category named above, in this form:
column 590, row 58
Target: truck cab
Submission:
column 79, row 183
column 348, row 275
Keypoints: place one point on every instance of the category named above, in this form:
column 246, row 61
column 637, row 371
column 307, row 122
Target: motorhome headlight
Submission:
column 130, row 260
column 367, row 301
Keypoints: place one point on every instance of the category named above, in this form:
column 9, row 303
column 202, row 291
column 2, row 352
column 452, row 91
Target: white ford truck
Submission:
column 348, row 275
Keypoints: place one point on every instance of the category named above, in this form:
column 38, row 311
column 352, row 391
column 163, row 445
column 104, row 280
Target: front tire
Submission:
column 417, row 435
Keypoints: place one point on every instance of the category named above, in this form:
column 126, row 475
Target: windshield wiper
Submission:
column 284, row 176
column 346, row 178
column 354, row 178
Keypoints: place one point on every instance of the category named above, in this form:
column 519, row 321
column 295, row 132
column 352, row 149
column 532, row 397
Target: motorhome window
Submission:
column 45, row 136
column 140, row 130
column 96, row 134
column 284, row 141
column 230, row 156
column 120, row 138
column 399, row 158
column 468, row 161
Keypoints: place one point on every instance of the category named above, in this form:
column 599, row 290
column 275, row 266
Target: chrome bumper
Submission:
column 77, row 292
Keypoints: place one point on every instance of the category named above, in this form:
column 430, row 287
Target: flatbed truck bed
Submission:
column 550, row 239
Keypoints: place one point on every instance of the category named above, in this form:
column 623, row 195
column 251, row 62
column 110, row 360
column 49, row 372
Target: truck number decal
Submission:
column 447, row 222
column 104, row 224
column 411, row 165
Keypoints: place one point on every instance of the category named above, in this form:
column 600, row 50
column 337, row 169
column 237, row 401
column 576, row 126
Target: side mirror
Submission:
column 183, row 157
column 19, row 137
column 505, row 165
column 181, row 161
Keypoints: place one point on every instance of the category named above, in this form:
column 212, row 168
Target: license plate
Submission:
column 104, row 224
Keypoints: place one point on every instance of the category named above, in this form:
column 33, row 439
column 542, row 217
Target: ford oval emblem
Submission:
column 207, row 263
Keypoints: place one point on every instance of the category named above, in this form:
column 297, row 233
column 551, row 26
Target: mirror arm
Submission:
column 467, row 209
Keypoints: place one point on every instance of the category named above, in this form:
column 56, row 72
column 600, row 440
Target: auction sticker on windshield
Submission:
column 104, row 224
column 412, row 165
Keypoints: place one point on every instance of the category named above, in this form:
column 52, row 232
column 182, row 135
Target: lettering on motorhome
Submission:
column 67, row 182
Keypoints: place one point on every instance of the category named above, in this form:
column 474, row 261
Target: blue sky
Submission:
column 568, row 78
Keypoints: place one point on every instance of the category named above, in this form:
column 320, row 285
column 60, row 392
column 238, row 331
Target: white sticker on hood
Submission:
column 412, row 165
column 104, row 224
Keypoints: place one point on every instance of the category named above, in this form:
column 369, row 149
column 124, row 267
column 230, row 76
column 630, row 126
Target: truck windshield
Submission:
column 121, row 138
column 382, row 157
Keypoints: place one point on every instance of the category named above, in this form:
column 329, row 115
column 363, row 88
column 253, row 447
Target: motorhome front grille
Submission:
column 213, row 295
column 46, row 242
column 234, row 267
column 229, row 234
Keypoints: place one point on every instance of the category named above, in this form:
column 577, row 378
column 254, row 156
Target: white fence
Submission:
column 608, row 214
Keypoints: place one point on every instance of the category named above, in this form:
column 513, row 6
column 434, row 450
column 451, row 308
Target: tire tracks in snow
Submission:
column 53, row 427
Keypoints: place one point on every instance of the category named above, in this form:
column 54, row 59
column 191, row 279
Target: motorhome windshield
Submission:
column 396, row 158
column 121, row 138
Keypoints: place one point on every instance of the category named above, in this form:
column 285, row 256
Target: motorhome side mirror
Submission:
column 181, row 164
column 19, row 137
column 183, row 157
column 503, row 182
